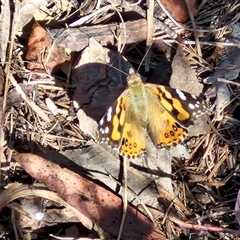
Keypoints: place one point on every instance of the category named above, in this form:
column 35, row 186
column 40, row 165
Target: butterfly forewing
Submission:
column 121, row 129
column 110, row 127
column 183, row 106
column 176, row 111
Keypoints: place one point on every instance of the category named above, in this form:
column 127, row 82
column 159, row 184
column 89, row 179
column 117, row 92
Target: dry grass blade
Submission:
column 8, row 70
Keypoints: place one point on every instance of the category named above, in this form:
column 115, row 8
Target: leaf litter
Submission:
column 57, row 86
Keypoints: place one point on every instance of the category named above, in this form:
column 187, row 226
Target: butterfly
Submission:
column 163, row 113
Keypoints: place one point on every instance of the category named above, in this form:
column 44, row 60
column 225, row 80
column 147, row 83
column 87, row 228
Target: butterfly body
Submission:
column 161, row 112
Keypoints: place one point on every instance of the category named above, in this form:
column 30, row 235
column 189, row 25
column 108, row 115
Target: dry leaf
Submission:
column 229, row 69
column 42, row 54
column 96, row 203
column 183, row 76
column 27, row 10
column 178, row 9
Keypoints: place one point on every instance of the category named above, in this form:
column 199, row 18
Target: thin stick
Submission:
column 6, row 87
column 150, row 31
column 124, row 196
column 190, row 42
column 228, row 82
column 14, row 224
column 32, row 104
column 194, row 26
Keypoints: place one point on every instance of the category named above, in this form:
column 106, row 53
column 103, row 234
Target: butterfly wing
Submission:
column 121, row 129
column 174, row 111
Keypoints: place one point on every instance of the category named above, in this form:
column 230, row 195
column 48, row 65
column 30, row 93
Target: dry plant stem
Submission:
column 122, row 43
column 69, row 74
column 174, row 199
column 6, row 19
column 10, row 144
column 230, row 142
column 149, row 31
column 194, row 26
column 211, row 29
column 120, row 46
column 33, row 106
column 189, row 42
column 210, row 145
column 90, row 16
column 200, row 143
column 133, row 4
column 124, row 195
column 201, row 61
column 229, row 82
column 212, row 215
column 15, row 19
column 167, row 212
column 203, row 228
column 220, row 44
column 13, row 220
column 219, row 162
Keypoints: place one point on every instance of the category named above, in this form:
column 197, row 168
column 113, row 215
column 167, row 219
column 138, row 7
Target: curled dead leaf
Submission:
column 42, row 53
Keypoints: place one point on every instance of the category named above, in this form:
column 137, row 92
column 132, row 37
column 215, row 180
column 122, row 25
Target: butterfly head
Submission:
column 134, row 80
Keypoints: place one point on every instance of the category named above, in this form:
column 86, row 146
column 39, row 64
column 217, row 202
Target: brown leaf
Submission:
column 37, row 42
column 41, row 53
column 178, row 9
column 96, row 203
column 183, row 76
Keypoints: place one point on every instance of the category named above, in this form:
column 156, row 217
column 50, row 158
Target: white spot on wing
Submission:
column 193, row 96
column 106, row 131
column 109, row 114
column 197, row 105
column 101, row 121
column 181, row 94
column 191, row 106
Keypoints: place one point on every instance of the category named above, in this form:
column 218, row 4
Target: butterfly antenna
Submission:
column 144, row 57
column 120, row 44
column 149, row 40
column 117, row 69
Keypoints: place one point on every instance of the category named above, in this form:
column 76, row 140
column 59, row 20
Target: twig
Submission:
column 194, row 26
column 149, row 31
column 6, row 87
column 124, row 196
column 32, row 104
